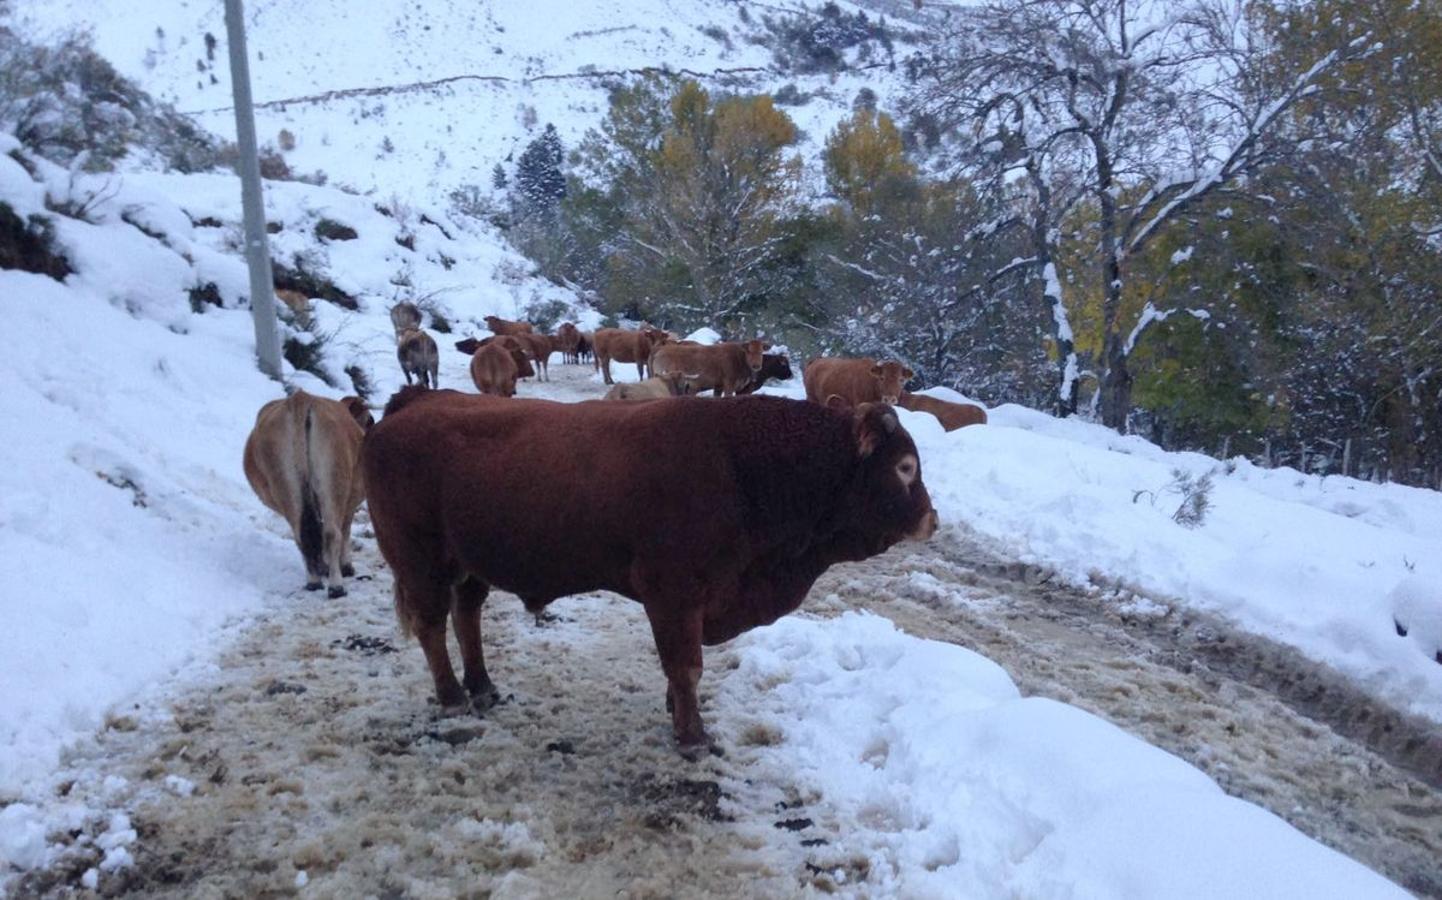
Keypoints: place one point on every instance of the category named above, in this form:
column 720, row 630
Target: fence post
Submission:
column 257, row 248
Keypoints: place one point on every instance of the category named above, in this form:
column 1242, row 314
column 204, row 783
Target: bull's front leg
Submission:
column 678, row 644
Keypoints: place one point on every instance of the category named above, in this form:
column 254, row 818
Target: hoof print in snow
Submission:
column 565, row 748
column 815, row 842
column 284, row 687
column 795, row 824
column 364, row 644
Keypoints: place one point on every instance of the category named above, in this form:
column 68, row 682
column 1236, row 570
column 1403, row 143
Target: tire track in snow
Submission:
column 1268, row 726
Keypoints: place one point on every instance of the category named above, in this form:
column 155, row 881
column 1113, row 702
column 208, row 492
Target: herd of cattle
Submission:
column 716, row 515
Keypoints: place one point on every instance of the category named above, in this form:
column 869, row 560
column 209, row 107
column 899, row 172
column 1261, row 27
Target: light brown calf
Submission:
column 626, row 346
column 951, row 415
column 856, row 381
column 494, row 370
column 724, row 368
column 655, row 388
column 419, row 356
column 303, row 460
column 506, row 326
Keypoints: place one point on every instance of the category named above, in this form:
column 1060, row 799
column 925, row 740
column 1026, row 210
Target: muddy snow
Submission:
column 309, row 757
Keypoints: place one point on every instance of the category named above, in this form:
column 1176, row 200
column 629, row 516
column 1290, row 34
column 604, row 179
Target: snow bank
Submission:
column 1306, row 560
column 949, row 781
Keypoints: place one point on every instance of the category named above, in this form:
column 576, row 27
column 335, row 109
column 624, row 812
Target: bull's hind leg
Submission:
column 466, row 600
column 427, row 606
column 678, row 644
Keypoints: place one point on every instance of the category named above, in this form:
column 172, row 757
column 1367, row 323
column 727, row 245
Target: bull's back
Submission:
column 546, row 499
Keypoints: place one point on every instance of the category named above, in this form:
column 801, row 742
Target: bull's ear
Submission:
column 907, row 374
column 836, row 401
column 877, row 371
column 875, row 422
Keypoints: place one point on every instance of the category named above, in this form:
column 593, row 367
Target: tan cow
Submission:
column 951, row 415
column 494, row 370
column 419, row 356
column 506, row 326
column 626, row 346
column 405, row 317
column 856, row 381
column 303, row 461
column 655, row 388
column 724, row 368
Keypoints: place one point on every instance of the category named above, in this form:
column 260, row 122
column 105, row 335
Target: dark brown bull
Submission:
column 506, row 326
column 302, row 459
column 951, row 415
column 746, row 502
column 419, row 356
column 626, row 346
column 856, row 381
column 773, row 365
column 724, row 368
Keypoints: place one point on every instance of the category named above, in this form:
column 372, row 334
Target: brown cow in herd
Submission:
column 724, row 368
column 951, row 415
column 494, row 369
column 469, row 346
column 506, row 326
column 773, row 365
column 626, row 346
column 418, row 356
column 747, row 501
column 655, row 388
column 856, row 381
column 538, row 348
column 302, row 459
column 568, row 341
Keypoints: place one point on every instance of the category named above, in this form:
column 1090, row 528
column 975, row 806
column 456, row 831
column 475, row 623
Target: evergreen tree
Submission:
column 540, row 183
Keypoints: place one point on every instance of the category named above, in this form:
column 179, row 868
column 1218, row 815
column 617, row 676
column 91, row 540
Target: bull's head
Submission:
column 893, row 504
column 359, row 411
column 754, row 351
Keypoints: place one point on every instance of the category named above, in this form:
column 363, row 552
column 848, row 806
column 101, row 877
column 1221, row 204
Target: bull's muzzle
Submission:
column 926, row 527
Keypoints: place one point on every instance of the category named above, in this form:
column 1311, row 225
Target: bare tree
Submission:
column 1133, row 112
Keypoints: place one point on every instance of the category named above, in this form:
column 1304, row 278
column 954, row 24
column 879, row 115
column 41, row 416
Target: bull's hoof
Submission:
column 312, row 585
column 483, row 698
column 348, row 570
column 695, row 751
column 335, row 590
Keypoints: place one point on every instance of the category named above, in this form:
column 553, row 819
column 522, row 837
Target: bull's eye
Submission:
column 906, row 471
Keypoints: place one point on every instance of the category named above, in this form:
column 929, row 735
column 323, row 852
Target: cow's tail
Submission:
column 312, row 529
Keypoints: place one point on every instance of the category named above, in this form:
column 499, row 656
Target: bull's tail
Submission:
column 312, row 528
column 403, row 616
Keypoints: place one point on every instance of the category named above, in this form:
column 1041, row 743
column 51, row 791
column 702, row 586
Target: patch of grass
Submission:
column 311, row 284
column 29, row 245
column 331, row 230
column 203, row 295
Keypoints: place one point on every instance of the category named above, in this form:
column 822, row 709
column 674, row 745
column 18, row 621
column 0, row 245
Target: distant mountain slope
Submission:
column 417, row 98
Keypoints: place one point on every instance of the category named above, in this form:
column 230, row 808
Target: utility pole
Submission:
column 257, row 248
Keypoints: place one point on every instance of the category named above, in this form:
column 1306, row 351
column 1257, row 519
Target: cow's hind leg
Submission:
column 429, row 607
column 466, row 600
column 678, row 644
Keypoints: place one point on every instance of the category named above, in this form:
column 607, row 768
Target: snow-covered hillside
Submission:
column 415, row 99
